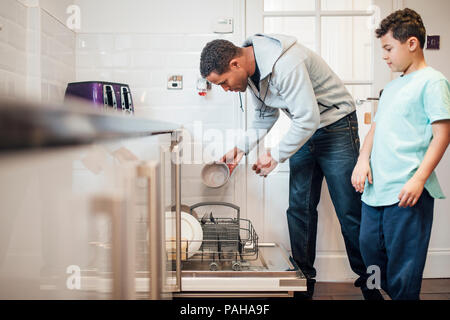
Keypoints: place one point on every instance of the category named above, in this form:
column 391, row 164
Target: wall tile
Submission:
column 17, row 36
column 9, row 10
column 149, row 60
column 13, row 40
column 58, row 58
column 4, row 31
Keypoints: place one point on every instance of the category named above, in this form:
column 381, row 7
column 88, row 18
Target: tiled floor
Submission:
column 432, row 289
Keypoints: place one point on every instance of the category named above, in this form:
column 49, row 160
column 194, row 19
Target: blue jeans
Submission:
column 332, row 153
column 396, row 240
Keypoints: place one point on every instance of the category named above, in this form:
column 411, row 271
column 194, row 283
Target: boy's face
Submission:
column 398, row 55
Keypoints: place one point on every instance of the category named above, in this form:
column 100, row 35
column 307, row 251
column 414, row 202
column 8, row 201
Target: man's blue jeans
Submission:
column 332, row 153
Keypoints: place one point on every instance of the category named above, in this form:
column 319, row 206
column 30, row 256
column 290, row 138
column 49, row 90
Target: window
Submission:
column 338, row 30
column 289, row 5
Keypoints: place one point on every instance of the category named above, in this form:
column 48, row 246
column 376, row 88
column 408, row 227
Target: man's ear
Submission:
column 234, row 63
column 413, row 44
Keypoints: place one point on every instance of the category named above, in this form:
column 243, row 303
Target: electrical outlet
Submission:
column 175, row 82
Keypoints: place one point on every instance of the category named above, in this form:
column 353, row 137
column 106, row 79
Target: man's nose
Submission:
column 226, row 88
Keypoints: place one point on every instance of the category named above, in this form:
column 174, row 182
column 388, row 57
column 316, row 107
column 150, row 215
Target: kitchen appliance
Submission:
column 103, row 94
column 231, row 261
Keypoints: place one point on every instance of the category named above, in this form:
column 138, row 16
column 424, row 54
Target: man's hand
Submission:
column 360, row 173
column 265, row 164
column 411, row 192
column 232, row 158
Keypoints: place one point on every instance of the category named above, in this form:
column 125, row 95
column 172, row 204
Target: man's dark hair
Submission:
column 216, row 56
column 404, row 24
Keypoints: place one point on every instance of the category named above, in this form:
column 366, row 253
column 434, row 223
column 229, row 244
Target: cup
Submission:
column 215, row 174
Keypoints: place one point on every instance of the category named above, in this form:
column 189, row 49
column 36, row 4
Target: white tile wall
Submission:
column 57, row 58
column 37, row 53
column 145, row 61
column 139, row 46
column 13, row 55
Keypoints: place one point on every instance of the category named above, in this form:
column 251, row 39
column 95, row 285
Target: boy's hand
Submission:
column 360, row 173
column 411, row 192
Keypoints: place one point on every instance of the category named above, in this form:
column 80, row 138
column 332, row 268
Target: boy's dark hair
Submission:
column 216, row 56
column 404, row 24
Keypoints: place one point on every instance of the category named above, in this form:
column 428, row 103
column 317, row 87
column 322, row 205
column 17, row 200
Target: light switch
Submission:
column 367, row 118
column 433, row 42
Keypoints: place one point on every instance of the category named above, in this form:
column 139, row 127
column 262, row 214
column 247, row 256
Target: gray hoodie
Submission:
column 301, row 84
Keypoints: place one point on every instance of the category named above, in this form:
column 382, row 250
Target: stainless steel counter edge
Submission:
column 25, row 125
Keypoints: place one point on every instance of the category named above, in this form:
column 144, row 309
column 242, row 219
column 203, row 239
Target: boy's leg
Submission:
column 407, row 235
column 371, row 240
column 305, row 183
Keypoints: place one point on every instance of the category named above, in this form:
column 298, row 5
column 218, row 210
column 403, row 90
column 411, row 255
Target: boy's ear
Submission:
column 413, row 44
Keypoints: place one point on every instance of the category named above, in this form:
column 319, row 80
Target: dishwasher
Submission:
column 231, row 262
column 228, row 260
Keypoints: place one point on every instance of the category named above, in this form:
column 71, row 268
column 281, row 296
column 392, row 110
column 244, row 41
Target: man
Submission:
column 321, row 142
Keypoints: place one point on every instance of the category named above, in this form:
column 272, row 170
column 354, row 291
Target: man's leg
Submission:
column 305, row 183
column 337, row 154
column 407, row 235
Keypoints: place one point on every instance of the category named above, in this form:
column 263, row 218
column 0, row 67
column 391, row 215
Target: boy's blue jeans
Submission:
column 332, row 152
column 396, row 240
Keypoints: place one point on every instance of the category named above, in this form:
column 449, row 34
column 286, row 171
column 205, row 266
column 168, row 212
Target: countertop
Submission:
column 26, row 125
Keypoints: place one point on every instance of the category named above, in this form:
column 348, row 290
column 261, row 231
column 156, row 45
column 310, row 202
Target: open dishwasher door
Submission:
column 230, row 262
column 272, row 274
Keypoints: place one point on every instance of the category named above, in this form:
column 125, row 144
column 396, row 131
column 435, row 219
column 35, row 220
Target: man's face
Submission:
column 235, row 79
column 396, row 54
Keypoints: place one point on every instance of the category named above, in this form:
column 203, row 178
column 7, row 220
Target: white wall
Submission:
column 13, row 48
column 37, row 56
column 57, row 57
column 56, row 8
column 142, row 43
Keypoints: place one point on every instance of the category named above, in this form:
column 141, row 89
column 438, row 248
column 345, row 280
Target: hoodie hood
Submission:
column 268, row 49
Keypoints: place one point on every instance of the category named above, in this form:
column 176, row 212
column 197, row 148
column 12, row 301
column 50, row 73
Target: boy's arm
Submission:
column 362, row 168
column 412, row 190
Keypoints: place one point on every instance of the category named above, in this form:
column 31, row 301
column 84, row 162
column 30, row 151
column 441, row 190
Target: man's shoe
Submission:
column 371, row 294
column 308, row 294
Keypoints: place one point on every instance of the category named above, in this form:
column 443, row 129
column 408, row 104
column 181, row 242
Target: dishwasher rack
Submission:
column 227, row 242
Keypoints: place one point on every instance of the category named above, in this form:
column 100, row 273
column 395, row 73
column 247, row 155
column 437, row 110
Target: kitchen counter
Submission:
column 25, row 125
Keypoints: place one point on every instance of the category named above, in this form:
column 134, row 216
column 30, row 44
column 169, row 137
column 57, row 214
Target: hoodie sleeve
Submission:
column 263, row 121
column 297, row 91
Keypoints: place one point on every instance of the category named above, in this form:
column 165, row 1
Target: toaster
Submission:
column 103, row 94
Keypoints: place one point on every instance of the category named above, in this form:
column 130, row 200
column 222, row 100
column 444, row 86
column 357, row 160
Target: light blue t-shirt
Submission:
column 407, row 108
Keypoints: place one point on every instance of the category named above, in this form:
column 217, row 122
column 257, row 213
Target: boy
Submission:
column 408, row 138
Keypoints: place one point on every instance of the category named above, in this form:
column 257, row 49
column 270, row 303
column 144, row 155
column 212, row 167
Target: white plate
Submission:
column 191, row 230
